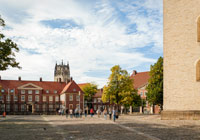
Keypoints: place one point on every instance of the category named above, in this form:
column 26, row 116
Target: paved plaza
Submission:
column 135, row 127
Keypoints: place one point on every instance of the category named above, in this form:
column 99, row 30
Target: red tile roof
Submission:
column 140, row 79
column 69, row 88
column 46, row 85
column 98, row 94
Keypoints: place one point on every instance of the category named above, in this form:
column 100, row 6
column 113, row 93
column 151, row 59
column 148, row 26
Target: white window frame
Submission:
column 8, row 107
column 50, row 98
column 57, row 98
column 30, row 91
column 95, row 100
column 44, row 98
column 37, row 98
column 2, row 90
column 22, row 107
column 30, row 98
column 47, row 91
column 55, row 91
column 70, row 97
column 77, row 98
column 23, row 91
column 22, row 97
column 37, row 91
column 16, row 98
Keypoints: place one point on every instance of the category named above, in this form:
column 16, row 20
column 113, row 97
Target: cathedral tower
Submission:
column 62, row 73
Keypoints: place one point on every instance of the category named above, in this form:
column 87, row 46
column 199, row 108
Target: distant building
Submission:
column 62, row 73
column 41, row 97
column 140, row 82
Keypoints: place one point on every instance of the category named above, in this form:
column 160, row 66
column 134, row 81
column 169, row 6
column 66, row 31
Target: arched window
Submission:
column 198, row 70
column 198, row 29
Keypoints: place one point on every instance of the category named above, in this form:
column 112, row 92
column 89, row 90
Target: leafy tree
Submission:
column 155, row 85
column 7, row 49
column 119, row 89
column 89, row 91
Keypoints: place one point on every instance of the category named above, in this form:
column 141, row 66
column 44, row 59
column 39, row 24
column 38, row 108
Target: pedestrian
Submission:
column 80, row 112
column 105, row 113
column 62, row 112
column 76, row 112
column 71, row 113
column 67, row 112
column 59, row 112
column 114, row 114
column 117, row 114
column 85, row 112
column 98, row 113
column 91, row 112
column 110, row 113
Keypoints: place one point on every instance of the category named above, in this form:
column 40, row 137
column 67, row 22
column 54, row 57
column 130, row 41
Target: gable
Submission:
column 72, row 87
column 30, row 86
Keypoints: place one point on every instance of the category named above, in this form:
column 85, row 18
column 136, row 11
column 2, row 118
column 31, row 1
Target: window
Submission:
column 37, row 108
column 37, row 98
column 22, row 91
column 7, row 107
column 55, row 91
column 37, row 92
column 57, row 98
column 44, row 107
column 141, row 93
column 47, row 91
column 2, row 90
column 44, row 98
column 74, row 89
column 8, row 97
column 16, row 98
column 30, row 98
column 2, row 107
column 22, row 107
column 50, row 98
column 23, row 98
column 77, row 98
column 71, row 97
column 99, row 100
column 95, row 100
column 16, row 108
column 1, row 98
column 50, row 107
column 95, row 107
column 12, row 90
column 29, row 91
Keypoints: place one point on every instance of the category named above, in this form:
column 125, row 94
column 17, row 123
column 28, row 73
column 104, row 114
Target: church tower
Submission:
column 62, row 73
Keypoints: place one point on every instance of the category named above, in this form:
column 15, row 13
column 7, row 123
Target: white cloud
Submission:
column 100, row 44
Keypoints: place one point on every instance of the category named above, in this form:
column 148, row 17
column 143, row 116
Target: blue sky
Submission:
column 92, row 35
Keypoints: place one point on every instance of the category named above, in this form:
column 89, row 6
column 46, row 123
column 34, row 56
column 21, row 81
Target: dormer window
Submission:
column 55, row 91
column 2, row 90
column 12, row 90
column 37, row 92
column 47, row 91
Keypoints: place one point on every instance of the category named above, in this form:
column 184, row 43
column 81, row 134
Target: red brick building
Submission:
column 24, row 97
column 140, row 82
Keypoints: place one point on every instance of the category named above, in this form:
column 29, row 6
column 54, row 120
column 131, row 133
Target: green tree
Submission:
column 119, row 89
column 7, row 51
column 89, row 91
column 155, row 85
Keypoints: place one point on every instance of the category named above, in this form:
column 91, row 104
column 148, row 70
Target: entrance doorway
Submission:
column 30, row 108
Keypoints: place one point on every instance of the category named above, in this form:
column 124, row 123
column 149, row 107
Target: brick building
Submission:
column 140, row 82
column 41, row 97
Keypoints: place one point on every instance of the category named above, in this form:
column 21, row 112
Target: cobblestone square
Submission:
column 135, row 127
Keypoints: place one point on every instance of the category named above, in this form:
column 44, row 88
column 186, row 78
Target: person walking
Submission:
column 91, row 112
column 66, row 112
column 114, row 114
column 71, row 113
column 110, row 113
column 105, row 113
column 85, row 113
column 98, row 112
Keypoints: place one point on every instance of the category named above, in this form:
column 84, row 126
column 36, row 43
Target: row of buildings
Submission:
column 46, row 97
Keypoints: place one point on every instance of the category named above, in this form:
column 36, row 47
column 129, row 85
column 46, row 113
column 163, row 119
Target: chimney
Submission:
column 71, row 79
column 19, row 78
column 40, row 79
column 134, row 72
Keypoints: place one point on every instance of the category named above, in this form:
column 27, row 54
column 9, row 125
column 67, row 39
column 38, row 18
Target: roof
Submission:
column 45, row 85
column 98, row 94
column 140, row 79
column 69, row 88
column 82, row 85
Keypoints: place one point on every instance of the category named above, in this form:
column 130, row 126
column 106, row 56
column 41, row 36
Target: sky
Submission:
column 92, row 35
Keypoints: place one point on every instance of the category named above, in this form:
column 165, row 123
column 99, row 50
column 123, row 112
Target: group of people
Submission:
column 76, row 113
column 112, row 113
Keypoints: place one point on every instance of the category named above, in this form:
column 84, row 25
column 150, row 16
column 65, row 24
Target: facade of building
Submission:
column 181, row 59
column 41, row 97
